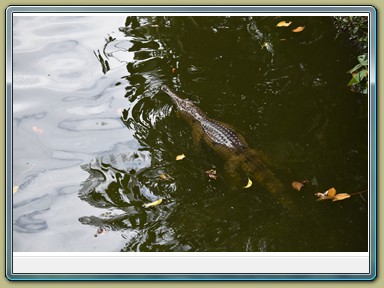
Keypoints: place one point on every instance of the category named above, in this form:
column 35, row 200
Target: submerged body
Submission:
column 230, row 146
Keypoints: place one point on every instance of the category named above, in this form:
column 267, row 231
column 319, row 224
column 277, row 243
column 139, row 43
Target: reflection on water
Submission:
column 66, row 112
column 94, row 136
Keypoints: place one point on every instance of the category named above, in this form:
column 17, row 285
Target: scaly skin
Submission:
column 230, row 145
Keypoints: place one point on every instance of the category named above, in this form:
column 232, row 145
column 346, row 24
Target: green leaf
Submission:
column 354, row 80
column 363, row 59
column 358, row 77
column 362, row 74
column 357, row 67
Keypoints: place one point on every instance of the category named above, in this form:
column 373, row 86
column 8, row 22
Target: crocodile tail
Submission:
column 258, row 171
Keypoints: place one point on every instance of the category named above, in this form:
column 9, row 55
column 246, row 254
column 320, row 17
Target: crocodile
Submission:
column 230, row 146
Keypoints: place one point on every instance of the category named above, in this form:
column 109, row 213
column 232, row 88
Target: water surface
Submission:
column 93, row 133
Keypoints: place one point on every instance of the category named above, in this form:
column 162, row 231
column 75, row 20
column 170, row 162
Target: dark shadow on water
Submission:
column 285, row 92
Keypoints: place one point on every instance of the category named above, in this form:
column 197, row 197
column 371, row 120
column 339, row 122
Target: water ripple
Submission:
column 91, row 124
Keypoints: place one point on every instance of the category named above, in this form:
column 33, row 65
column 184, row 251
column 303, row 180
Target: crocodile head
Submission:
column 184, row 106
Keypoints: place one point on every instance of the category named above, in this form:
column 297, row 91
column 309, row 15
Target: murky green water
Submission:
column 93, row 133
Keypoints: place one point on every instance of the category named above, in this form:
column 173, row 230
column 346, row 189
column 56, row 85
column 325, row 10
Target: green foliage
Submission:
column 360, row 74
column 356, row 28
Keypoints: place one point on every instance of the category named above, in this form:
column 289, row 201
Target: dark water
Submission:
column 93, row 134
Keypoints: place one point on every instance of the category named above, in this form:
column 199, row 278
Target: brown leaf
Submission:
column 331, row 192
column 298, row 29
column 341, row 196
column 180, row 157
column 297, row 185
column 323, row 196
column 283, row 24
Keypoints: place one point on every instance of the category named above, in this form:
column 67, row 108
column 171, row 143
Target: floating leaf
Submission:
column 249, row 184
column 154, row 203
column 212, row 174
column 320, row 195
column 283, row 24
column 330, row 192
column 37, row 130
column 341, row 196
column 165, row 177
column 323, row 196
column 180, row 157
column 15, row 188
column 297, row 185
column 298, row 29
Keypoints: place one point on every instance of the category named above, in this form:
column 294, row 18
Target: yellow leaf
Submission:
column 283, row 24
column 165, row 177
column 154, row 203
column 298, row 29
column 341, row 196
column 15, row 188
column 331, row 192
column 180, row 157
column 249, row 184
